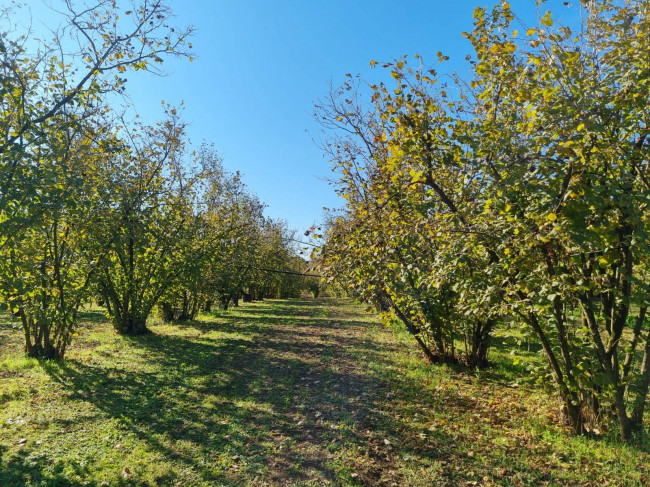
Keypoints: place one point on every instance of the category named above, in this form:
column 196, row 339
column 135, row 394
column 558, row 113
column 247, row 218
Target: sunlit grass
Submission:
column 300, row 392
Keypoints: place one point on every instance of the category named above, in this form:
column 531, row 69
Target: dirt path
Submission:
column 314, row 357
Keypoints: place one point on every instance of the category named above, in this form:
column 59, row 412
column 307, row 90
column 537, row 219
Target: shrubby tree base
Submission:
column 42, row 347
column 131, row 325
column 46, row 339
column 477, row 342
column 167, row 312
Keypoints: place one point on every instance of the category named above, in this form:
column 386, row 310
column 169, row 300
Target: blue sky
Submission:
column 261, row 65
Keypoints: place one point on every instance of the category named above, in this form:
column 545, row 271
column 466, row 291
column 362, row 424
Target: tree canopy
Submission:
column 94, row 207
column 515, row 196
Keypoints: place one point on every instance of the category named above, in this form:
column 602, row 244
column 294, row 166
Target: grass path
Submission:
column 298, row 392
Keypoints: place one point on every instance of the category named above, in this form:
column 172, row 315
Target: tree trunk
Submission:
column 131, row 325
column 480, row 344
column 38, row 343
column 572, row 413
column 571, row 406
column 642, row 387
column 185, row 310
column 167, row 312
column 415, row 332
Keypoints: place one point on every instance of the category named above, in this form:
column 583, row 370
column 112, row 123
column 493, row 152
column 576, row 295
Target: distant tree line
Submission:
column 96, row 208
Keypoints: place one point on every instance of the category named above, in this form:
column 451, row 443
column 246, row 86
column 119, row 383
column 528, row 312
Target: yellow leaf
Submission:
column 551, row 217
column 530, row 32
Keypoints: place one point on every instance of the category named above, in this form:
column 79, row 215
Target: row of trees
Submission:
column 517, row 196
column 92, row 207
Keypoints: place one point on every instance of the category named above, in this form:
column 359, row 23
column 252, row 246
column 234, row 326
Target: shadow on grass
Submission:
column 93, row 316
column 280, row 377
column 284, row 394
column 31, row 468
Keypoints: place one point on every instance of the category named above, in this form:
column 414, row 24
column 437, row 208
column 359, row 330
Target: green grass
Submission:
column 299, row 392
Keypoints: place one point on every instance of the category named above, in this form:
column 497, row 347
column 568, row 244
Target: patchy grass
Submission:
column 299, row 392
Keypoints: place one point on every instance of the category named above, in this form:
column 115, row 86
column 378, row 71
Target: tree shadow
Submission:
column 92, row 316
column 25, row 467
column 240, row 395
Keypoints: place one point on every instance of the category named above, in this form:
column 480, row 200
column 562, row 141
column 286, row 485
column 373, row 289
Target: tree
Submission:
column 527, row 187
column 152, row 225
column 568, row 172
column 60, row 83
column 278, row 268
column 47, row 277
column 390, row 244
column 52, row 154
column 219, row 268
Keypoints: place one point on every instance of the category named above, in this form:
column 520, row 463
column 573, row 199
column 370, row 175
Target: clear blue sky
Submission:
column 260, row 66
